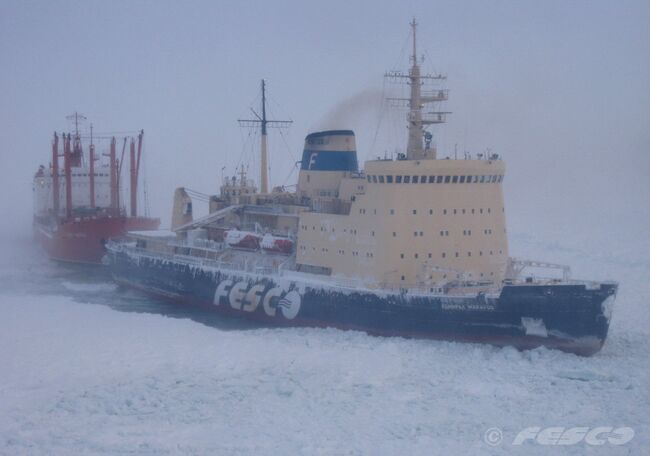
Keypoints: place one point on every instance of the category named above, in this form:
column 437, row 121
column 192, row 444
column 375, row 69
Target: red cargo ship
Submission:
column 73, row 222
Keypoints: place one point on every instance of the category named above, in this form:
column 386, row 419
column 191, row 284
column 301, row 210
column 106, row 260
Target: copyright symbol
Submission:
column 493, row 436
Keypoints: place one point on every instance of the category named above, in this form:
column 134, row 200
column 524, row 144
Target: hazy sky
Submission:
column 559, row 88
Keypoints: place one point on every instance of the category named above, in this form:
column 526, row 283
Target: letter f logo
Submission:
column 312, row 159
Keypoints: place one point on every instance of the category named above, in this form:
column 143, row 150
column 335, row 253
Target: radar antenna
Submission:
column 419, row 141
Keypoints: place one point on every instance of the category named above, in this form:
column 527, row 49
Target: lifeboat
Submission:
column 277, row 244
column 243, row 239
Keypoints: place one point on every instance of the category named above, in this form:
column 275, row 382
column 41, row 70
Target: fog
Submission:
column 559, row 89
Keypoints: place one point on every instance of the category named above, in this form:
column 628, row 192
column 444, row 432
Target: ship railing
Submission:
column 245, row 266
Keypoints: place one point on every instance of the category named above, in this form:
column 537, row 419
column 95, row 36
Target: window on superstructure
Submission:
column 444, row 211
column 444, row 255
column 416, row 255
column 398, row 179
column 367, row 177
column 447, row 179
column 407, row 179
column 394, row 234
column 415, row 211
column 489, row 210
column 462, row 179
column 389, row 179
column 430, row 211
column 415, row 179
column 454, row 179
column 439, row 180
column 456, row 254
column 421, row 233
column 432, row 179
column 374, row 179
column 469, row 254
column 455, row 211
column 401, row 255
column 381, row 179
column 480, row 210
column 392, row 212
column 429, row 255
column 472, row 211
column 469, row 179
column 463, row 211
column 415, row 233
column 480, row 253
column 482, row 179
column 423, row 179
column 403, row 278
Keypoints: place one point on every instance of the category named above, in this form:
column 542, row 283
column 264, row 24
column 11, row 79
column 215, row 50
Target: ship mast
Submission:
column 264, row 123
column 419, row 140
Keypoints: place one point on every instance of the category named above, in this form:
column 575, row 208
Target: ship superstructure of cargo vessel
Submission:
column 414, row 246
column 77, row 207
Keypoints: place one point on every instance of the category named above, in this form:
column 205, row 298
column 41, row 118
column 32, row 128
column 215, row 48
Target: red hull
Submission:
column 82, row 240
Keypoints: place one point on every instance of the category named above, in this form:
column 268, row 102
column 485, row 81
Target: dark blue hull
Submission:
column 570, row 317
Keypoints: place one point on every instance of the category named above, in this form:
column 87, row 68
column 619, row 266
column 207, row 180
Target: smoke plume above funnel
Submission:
column 360, row 110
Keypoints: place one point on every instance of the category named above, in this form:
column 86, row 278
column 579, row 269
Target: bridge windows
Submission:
column 465, row 179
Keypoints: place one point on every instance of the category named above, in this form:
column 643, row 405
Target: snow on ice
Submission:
column 80, row 376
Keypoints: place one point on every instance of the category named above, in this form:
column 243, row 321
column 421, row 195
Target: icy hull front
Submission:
column 569, row 317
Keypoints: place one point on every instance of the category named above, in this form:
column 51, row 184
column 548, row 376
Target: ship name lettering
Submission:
column 240, row 297
column 223, row 289
column 237, row 293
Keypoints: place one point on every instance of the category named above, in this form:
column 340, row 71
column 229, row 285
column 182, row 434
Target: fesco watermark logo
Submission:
column 560, row 435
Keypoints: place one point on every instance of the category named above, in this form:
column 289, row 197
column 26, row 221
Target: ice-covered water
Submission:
column 87, row 368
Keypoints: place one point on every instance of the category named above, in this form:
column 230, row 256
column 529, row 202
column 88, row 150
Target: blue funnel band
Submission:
column 329, row 160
